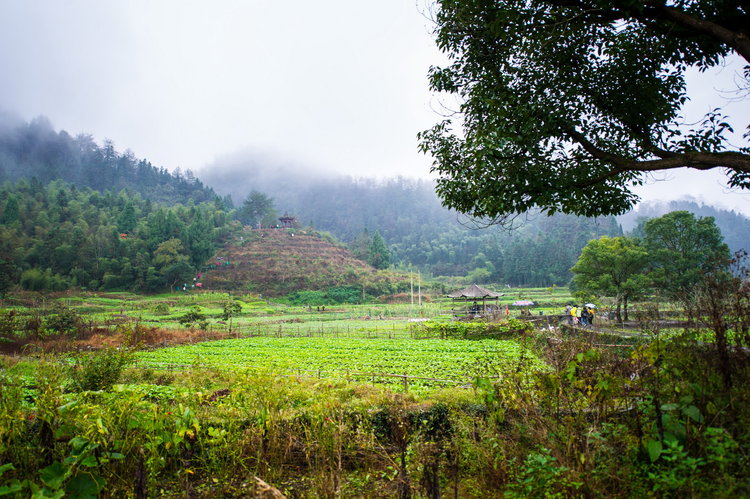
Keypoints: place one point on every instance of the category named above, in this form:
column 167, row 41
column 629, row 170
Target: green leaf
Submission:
column 654, row 449
column 670, row 437
column 11, row 488
column 54, row 475
column 693, row 413
column 84, row 486
column 67, row 407
column 78, row 443
column 45, row 493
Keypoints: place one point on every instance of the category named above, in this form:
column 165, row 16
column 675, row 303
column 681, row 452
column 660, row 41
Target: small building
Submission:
column 475, row 293
column 287, row 222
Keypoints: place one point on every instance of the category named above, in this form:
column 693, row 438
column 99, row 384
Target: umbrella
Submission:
column 522, row 303
column 590, row 305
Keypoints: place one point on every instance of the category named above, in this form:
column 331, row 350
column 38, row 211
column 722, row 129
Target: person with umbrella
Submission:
column 523, row 303
column 591, row 308
column 584, row 316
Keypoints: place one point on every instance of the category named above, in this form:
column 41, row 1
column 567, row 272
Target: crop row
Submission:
column 456, row 360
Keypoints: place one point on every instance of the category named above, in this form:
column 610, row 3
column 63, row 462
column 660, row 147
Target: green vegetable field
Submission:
column 438, row 361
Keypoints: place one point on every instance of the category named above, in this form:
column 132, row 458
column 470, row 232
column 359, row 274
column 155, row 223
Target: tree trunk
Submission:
column 618, row 310
column 625, row 307
column 725, row 362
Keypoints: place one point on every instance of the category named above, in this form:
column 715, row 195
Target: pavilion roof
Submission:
column 474, row 291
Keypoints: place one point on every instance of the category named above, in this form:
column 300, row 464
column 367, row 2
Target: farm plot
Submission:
column 398, row 361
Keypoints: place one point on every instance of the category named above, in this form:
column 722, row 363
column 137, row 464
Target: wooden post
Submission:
column 419, row 287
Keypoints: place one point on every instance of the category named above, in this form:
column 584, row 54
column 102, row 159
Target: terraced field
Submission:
column 279, row 261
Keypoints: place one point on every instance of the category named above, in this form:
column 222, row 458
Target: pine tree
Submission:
column 379, row 256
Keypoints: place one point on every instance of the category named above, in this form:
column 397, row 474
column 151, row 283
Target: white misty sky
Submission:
column 337, row 85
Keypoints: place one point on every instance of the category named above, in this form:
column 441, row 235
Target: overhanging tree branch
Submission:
column 738, row 40
column 657, row 10
column 564, row 94
column 694, row 159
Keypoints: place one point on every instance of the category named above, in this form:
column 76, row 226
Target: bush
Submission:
column 344, row 294
column 194, row 318
column 38, row 280
column 162, row 309
column 33, row 280
column 8, row 325
column 474, row 330
column 100, row 370
column 314, row 298
column 337, row 295
column 63, row 321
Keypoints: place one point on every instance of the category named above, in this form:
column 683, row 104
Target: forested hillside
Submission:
column 418, row 231
column 57, row 236
column 539, row 251
column 35, row 149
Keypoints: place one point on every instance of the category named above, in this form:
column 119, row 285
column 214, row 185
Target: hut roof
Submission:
column 474, row 291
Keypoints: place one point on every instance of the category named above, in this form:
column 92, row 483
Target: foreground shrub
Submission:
column 99, row 370
column 652, row 421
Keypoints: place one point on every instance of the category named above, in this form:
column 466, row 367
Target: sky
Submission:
column 335, row 85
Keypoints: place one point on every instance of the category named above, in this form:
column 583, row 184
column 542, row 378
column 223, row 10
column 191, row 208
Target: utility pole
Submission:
column 411, row 286
column 419, row 287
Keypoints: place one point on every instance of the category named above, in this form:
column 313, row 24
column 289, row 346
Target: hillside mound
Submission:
column 276, row 262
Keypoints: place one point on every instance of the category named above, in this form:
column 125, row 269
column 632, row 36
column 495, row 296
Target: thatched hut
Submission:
column 474, row 294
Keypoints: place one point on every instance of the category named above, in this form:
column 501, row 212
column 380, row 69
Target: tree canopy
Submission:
column 683, row 249
column 677, row 253
column 257, row 209
column 565, row 105
column 612, row 266
column 59, row 236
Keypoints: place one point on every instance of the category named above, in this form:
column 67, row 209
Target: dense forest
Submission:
column 420, row 232
column 35, row 149
column 52, row 179
column 57, row 236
